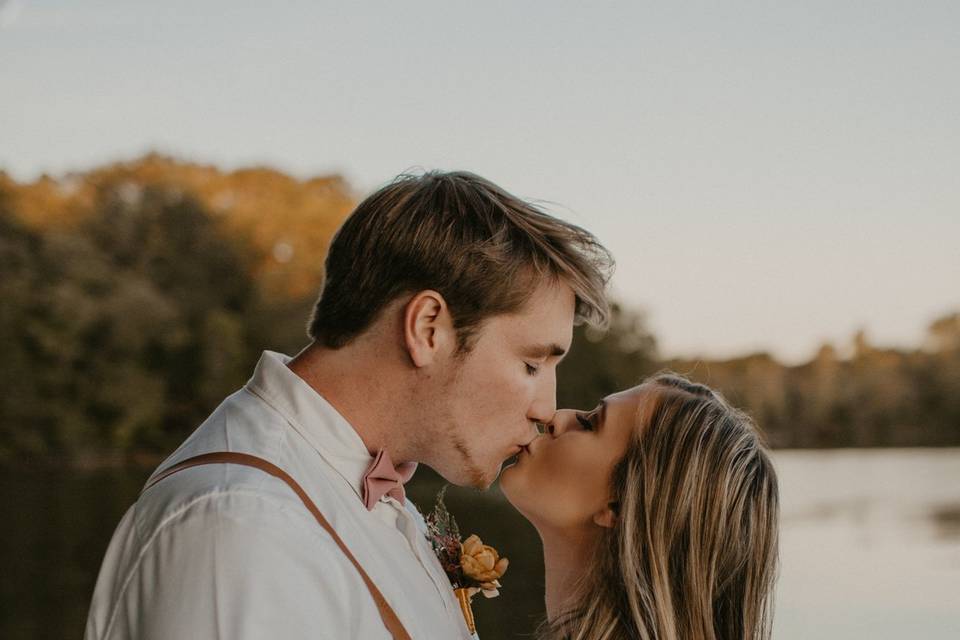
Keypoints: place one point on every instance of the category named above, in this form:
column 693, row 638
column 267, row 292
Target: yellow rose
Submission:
column 482, row 563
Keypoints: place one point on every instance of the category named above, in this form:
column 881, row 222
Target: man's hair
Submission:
column 484, row 250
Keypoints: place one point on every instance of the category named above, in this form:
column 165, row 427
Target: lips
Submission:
column 528, row 448
column 519, row 452
column 522, row 450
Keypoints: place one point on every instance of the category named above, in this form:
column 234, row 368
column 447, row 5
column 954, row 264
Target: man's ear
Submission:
column 427, row 327
column 606, row 517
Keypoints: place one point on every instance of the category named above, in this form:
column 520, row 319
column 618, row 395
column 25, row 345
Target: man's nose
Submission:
column 544, row 405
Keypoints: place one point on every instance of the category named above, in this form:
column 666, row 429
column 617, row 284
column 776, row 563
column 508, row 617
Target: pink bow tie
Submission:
column 382, row 478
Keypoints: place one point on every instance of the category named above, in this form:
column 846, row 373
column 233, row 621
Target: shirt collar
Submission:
column 312, row 417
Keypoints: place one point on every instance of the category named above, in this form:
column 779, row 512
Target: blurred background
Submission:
column 777, row 182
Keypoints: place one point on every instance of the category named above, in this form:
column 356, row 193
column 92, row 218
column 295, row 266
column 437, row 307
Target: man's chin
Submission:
column 473, row 478
column 483, row 481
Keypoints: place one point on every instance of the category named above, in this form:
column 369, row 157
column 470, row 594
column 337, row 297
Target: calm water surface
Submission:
column 870, row 547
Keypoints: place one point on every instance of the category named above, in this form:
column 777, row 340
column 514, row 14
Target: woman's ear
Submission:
column 427, row 327
column 607, row 517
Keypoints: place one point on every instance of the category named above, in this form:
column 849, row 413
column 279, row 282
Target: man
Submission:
column 446, row 307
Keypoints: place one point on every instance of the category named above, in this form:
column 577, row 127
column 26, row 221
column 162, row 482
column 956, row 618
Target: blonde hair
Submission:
column 693, row 555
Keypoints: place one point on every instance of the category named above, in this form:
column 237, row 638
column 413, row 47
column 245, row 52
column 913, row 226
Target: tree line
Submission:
column 869, row 397
column 138, row 295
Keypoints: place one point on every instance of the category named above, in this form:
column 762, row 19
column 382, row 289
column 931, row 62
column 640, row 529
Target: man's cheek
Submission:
column 520, row 390
column 497, row 395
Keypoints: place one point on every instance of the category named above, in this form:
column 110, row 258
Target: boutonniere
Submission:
column 471, row 566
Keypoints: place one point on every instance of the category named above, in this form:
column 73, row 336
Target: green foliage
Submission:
column 876, row 397
column 121, row 334
column 600, row 363
column 132, row 309
column 19, row 250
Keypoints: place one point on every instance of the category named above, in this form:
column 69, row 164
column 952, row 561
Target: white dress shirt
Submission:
column 226, row 551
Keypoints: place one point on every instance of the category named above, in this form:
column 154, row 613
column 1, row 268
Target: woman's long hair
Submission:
column 693, row 555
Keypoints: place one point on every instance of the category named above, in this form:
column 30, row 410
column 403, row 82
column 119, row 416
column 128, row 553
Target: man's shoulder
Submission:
column 241, row 424
column 215, row 494
column 248, row 542
column 242, row 418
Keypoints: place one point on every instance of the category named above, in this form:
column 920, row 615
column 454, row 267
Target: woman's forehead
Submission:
column 628, row 405
column 631, row 396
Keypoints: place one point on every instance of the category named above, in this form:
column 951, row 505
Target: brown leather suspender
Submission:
column 390, row 619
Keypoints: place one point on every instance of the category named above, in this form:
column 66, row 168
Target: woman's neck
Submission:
column 566, row 556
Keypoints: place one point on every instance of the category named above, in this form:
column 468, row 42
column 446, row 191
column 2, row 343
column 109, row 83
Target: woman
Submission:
column 658, row 513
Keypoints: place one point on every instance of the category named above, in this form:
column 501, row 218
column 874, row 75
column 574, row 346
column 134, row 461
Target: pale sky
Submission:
column 768, row 175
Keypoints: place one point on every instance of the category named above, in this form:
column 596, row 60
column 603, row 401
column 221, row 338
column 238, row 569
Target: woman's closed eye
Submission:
column 585, row 422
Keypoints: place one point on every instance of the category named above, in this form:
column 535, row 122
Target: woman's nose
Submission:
column 560, row 423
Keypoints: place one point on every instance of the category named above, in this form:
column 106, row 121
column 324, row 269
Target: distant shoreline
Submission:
column 145, row 460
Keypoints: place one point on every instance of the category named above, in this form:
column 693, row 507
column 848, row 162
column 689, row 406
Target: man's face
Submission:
column 495, row 394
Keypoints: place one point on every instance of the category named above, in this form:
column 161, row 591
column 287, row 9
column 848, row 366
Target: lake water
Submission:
column 870, row 547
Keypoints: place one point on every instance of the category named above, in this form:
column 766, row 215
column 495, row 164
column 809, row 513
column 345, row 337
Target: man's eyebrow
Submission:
column 544, row 351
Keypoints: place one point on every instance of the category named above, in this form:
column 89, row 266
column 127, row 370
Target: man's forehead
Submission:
column 544, row 325
column 547, row 336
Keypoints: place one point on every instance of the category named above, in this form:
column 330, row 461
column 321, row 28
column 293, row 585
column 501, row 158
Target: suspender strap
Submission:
column 390, row 619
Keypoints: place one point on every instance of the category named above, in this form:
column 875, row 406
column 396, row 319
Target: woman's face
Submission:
column 562, row 480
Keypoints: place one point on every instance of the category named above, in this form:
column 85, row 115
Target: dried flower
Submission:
column 482, row 563
column 471, row 566
column 444, row 536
